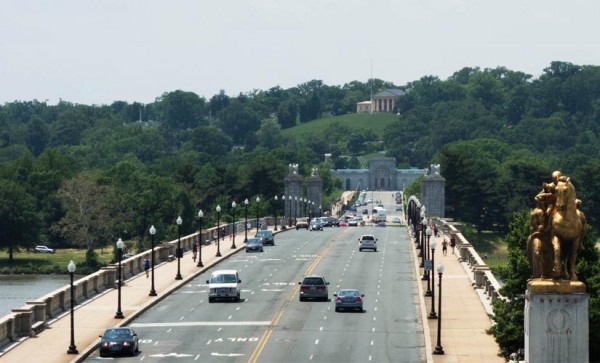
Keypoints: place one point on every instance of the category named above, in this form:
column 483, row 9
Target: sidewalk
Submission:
column 93, row 316
column 464, row 316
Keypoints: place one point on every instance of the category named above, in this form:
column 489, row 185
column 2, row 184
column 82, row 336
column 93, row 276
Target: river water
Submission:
column 16, row 290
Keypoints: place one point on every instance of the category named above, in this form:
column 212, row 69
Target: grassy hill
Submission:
column 376, row 122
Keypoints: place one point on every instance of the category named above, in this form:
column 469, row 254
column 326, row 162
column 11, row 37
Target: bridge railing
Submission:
column 481, row 275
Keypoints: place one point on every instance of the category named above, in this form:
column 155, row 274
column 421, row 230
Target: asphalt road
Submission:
column 270, row 324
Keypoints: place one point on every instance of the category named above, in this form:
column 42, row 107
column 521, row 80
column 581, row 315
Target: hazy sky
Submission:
column 97, row 52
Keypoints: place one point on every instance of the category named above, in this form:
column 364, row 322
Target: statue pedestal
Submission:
column 556, row 321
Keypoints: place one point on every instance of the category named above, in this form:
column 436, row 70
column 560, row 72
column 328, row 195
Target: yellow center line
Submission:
column 262, row 342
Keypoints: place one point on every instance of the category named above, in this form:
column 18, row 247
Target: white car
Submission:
column 395, row 220
column 224, row 284
column 367, row 242
column 43, row 249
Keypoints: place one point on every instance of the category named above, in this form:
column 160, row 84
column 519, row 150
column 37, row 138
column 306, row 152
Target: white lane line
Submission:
column 370, row 357
column 372, row 342
column 155, row 343
column 311, row 357
column 181, row 318
column 220, row 328
column 209, row 341
column 373, row 330
column 374, row 318
column 238, row 308
column 317, row 342
column 192, row 309
column 321, row 329
column 198, row 356
column 375, row 308
column 229, row 317
column 201, row 323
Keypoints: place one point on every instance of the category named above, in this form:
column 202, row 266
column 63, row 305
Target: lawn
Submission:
column 491, row 247
column 29, row 262
column 376, row 122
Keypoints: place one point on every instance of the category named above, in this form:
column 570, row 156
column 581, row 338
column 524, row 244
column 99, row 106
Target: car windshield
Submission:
column 368, row 238
column 223, row 279
column 264, row 234
column 348, row 293
column 117, row 333
column 253, row 241
column 313, row 281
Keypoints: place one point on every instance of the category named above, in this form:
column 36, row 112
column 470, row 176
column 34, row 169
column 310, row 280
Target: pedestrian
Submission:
column 194, row 251
column 445, row 247
column 452, row 243
column 435, row 230
column 147, row 267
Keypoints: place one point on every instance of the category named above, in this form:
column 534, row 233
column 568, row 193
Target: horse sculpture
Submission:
column 566, row 231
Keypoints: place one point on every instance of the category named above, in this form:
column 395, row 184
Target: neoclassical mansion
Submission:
column 381, row 175
column 383, row 101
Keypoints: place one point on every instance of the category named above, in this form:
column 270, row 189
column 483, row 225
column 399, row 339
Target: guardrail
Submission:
column 35, row 316
column 481, row 276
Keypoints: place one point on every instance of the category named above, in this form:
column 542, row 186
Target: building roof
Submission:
column 392, row 92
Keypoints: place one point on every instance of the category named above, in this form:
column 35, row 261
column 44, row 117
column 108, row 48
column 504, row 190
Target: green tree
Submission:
column 19, row 222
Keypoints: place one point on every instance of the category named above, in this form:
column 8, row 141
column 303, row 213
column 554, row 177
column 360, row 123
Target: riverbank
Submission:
column 30, row 263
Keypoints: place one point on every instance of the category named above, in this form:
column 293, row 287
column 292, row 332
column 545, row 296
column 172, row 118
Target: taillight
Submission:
column 304, row 287
column 338, row 299
column 358, row 299
column 320, row 287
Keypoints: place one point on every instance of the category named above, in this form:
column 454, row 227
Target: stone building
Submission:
column 383, row 101
column 381, row 175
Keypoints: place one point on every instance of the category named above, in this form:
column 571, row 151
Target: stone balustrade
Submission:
column 481, row 275
column 34, row 316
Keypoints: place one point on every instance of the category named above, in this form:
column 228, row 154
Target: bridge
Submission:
column 272, row 321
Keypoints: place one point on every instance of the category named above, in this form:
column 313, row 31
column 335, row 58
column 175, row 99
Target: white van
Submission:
column 224, row 284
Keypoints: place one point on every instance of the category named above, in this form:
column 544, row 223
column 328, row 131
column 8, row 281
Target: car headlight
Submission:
column 126, row 344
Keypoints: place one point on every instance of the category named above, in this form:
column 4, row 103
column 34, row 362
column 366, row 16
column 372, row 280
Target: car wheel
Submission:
column 337, row 310
column 375, row 250
column 360, row 250
column 237, row 298
column 301, row 298
column 210, row 300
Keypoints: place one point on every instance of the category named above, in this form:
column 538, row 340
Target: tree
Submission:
column 181, row 110
column 19, row 222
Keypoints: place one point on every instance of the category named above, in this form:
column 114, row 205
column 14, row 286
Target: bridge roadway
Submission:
column 270, row 324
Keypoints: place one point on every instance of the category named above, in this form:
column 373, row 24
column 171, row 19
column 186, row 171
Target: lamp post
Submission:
column 233, row 205
column 246, row 220
column 290, row 199
column 427, row 272
column 304, row 207
column 119, row 314
column 319, row 211
column 152, row 233
column 275, row 205
column 257, row 203
column 295, row 210
column 423, row 246
column 72, row 348
column 432, row 314
column 439, row 350
column 179, row 250
column 200, row 264
column 218, row 231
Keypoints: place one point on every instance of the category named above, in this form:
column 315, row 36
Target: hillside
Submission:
column 375, row 122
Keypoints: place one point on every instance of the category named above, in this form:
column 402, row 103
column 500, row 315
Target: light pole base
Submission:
column 432, row 315
column 438, row 350
column 200, row 264
column 119, row 315
column 233, row 246
column 72, row 350
column 218, row 254
column 152, row 293
column 178, row 277
column 427, row 293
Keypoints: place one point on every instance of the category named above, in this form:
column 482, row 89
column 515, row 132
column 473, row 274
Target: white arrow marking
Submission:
column 176, row 355
column 226, row 354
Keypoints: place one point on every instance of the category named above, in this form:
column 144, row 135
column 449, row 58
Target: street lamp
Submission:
column 257, row 203
column 275, row 205
column 438, row 348
column 432, row 314
column 119, row 314
column 246, row 220
column 423, row 246
column 319, row 211
column 426, row 272
column 179, row 250
column 152, row 233
column 295, row 210
column 72, row 348
column 200, row 264
column 290, row 199
column 233, row 246
column 218, row 231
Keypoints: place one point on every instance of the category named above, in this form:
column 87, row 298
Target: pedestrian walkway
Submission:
column 93, row 316
column 464, row 317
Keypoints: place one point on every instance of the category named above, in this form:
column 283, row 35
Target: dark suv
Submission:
column 314, row 287
column 267, row 237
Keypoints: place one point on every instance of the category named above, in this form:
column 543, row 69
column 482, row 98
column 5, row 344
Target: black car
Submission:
column 254, row 245
column 267, row 237
column 119, row 341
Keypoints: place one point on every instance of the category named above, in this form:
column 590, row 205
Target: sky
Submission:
column 97, row 52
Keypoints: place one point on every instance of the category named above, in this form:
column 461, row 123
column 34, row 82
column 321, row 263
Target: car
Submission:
column 398, row 208
column 121, row 340
column 43, row 249
column 396, row 220
column 128, row 255
column 343, row 223
column 301, row 223
column 254, row 245
column 267, row 236
column 353, row 222
column 349, row 299
column 315, row 225
column 334, row 222
column 367, row 242
column 365, row 211
column 314, row 287
column 224, row 284
column 380, row 224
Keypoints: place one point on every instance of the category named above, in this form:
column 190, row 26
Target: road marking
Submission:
column 317, row 342
column 181, row 318
column 176, row 355
column 311, row 357
column 238, row 308
column 220, row 328
column 229, row 317
column 209, row 341
column 272, row 290
column 372, row 342
column 226, row 354
column 198, row 356
column 201, row 323
column 321, row 329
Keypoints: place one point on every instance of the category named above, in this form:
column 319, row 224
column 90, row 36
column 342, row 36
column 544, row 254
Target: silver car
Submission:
column 314, row 287
column 349, row 299
column 367, row 242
